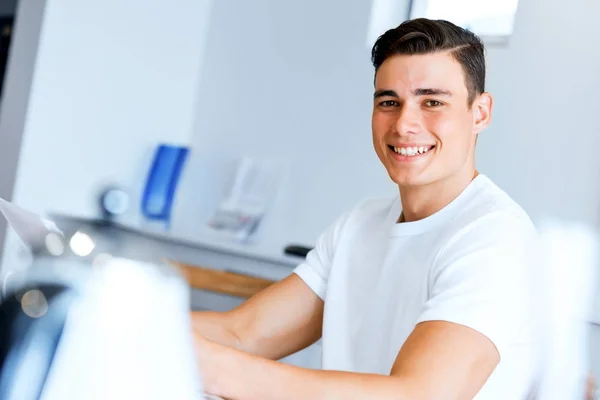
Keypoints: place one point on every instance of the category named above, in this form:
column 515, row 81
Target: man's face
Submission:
column 424, row 128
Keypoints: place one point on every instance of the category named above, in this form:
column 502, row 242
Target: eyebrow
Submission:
column 432, row 92
column 384, row 93
column 417, row 92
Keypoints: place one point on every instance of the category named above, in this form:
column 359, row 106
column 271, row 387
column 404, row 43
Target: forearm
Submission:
column 227, row 330
column 222, row 328
column 246, row 377
column 215, row 327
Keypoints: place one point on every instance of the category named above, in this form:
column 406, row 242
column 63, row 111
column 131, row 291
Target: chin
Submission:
column 408, row 180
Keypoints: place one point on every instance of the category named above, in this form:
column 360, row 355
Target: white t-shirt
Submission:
column 471, row 263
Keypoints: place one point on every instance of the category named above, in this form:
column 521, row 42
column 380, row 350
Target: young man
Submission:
column 424, row 296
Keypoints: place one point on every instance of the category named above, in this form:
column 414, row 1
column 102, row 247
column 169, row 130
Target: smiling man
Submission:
column 427, row 295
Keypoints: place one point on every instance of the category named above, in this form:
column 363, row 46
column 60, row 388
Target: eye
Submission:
column 388, row 103
column 432, row 103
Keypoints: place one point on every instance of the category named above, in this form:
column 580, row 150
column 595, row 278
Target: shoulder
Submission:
column 491, row 212
column 491, row 223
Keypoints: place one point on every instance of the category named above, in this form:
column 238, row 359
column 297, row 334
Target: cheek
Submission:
column 381, row 124
column 451, row 130
column 441, row 126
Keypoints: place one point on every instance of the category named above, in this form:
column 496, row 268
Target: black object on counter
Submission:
column 297, row 250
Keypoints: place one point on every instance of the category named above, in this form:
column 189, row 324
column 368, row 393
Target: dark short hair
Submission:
column 425, row 36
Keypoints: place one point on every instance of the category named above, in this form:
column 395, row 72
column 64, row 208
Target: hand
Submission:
column 208, row 358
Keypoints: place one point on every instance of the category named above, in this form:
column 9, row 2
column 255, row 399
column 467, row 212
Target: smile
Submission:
column 410, row 151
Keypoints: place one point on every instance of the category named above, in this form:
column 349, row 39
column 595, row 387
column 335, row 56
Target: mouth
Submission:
column 411, row 151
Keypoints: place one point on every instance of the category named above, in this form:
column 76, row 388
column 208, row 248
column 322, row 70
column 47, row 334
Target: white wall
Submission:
column 542, row 146
column 112, row 79
column 293, row 79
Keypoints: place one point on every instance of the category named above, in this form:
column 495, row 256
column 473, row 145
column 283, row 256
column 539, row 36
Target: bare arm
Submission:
column 280, row 320
column 439, row 360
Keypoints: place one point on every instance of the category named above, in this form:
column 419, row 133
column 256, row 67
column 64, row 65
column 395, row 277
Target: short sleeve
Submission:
column 314, row 271
column 481, row 279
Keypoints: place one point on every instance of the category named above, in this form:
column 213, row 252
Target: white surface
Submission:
column 471, row 263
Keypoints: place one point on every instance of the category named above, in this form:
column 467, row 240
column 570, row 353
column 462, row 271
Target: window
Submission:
column 493, row 20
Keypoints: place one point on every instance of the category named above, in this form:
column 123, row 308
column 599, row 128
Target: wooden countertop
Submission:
column 224, row 282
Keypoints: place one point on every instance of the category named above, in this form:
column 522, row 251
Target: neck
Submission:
column 420, row 202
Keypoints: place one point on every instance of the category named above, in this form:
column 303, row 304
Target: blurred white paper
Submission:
column 29, row 227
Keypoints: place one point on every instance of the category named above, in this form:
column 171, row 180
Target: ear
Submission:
column 482, row 112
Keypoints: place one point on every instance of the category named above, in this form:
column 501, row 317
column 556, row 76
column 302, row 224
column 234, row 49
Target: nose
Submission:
column 408, row 121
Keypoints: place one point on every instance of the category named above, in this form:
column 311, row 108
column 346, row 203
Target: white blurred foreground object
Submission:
column 128, row 338
column 569, row 276
column 126, row 335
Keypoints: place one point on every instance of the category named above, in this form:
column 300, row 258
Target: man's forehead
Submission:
column 407, row 73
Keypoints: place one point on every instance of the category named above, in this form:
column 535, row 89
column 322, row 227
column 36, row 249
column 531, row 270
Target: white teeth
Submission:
column 411, row 151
